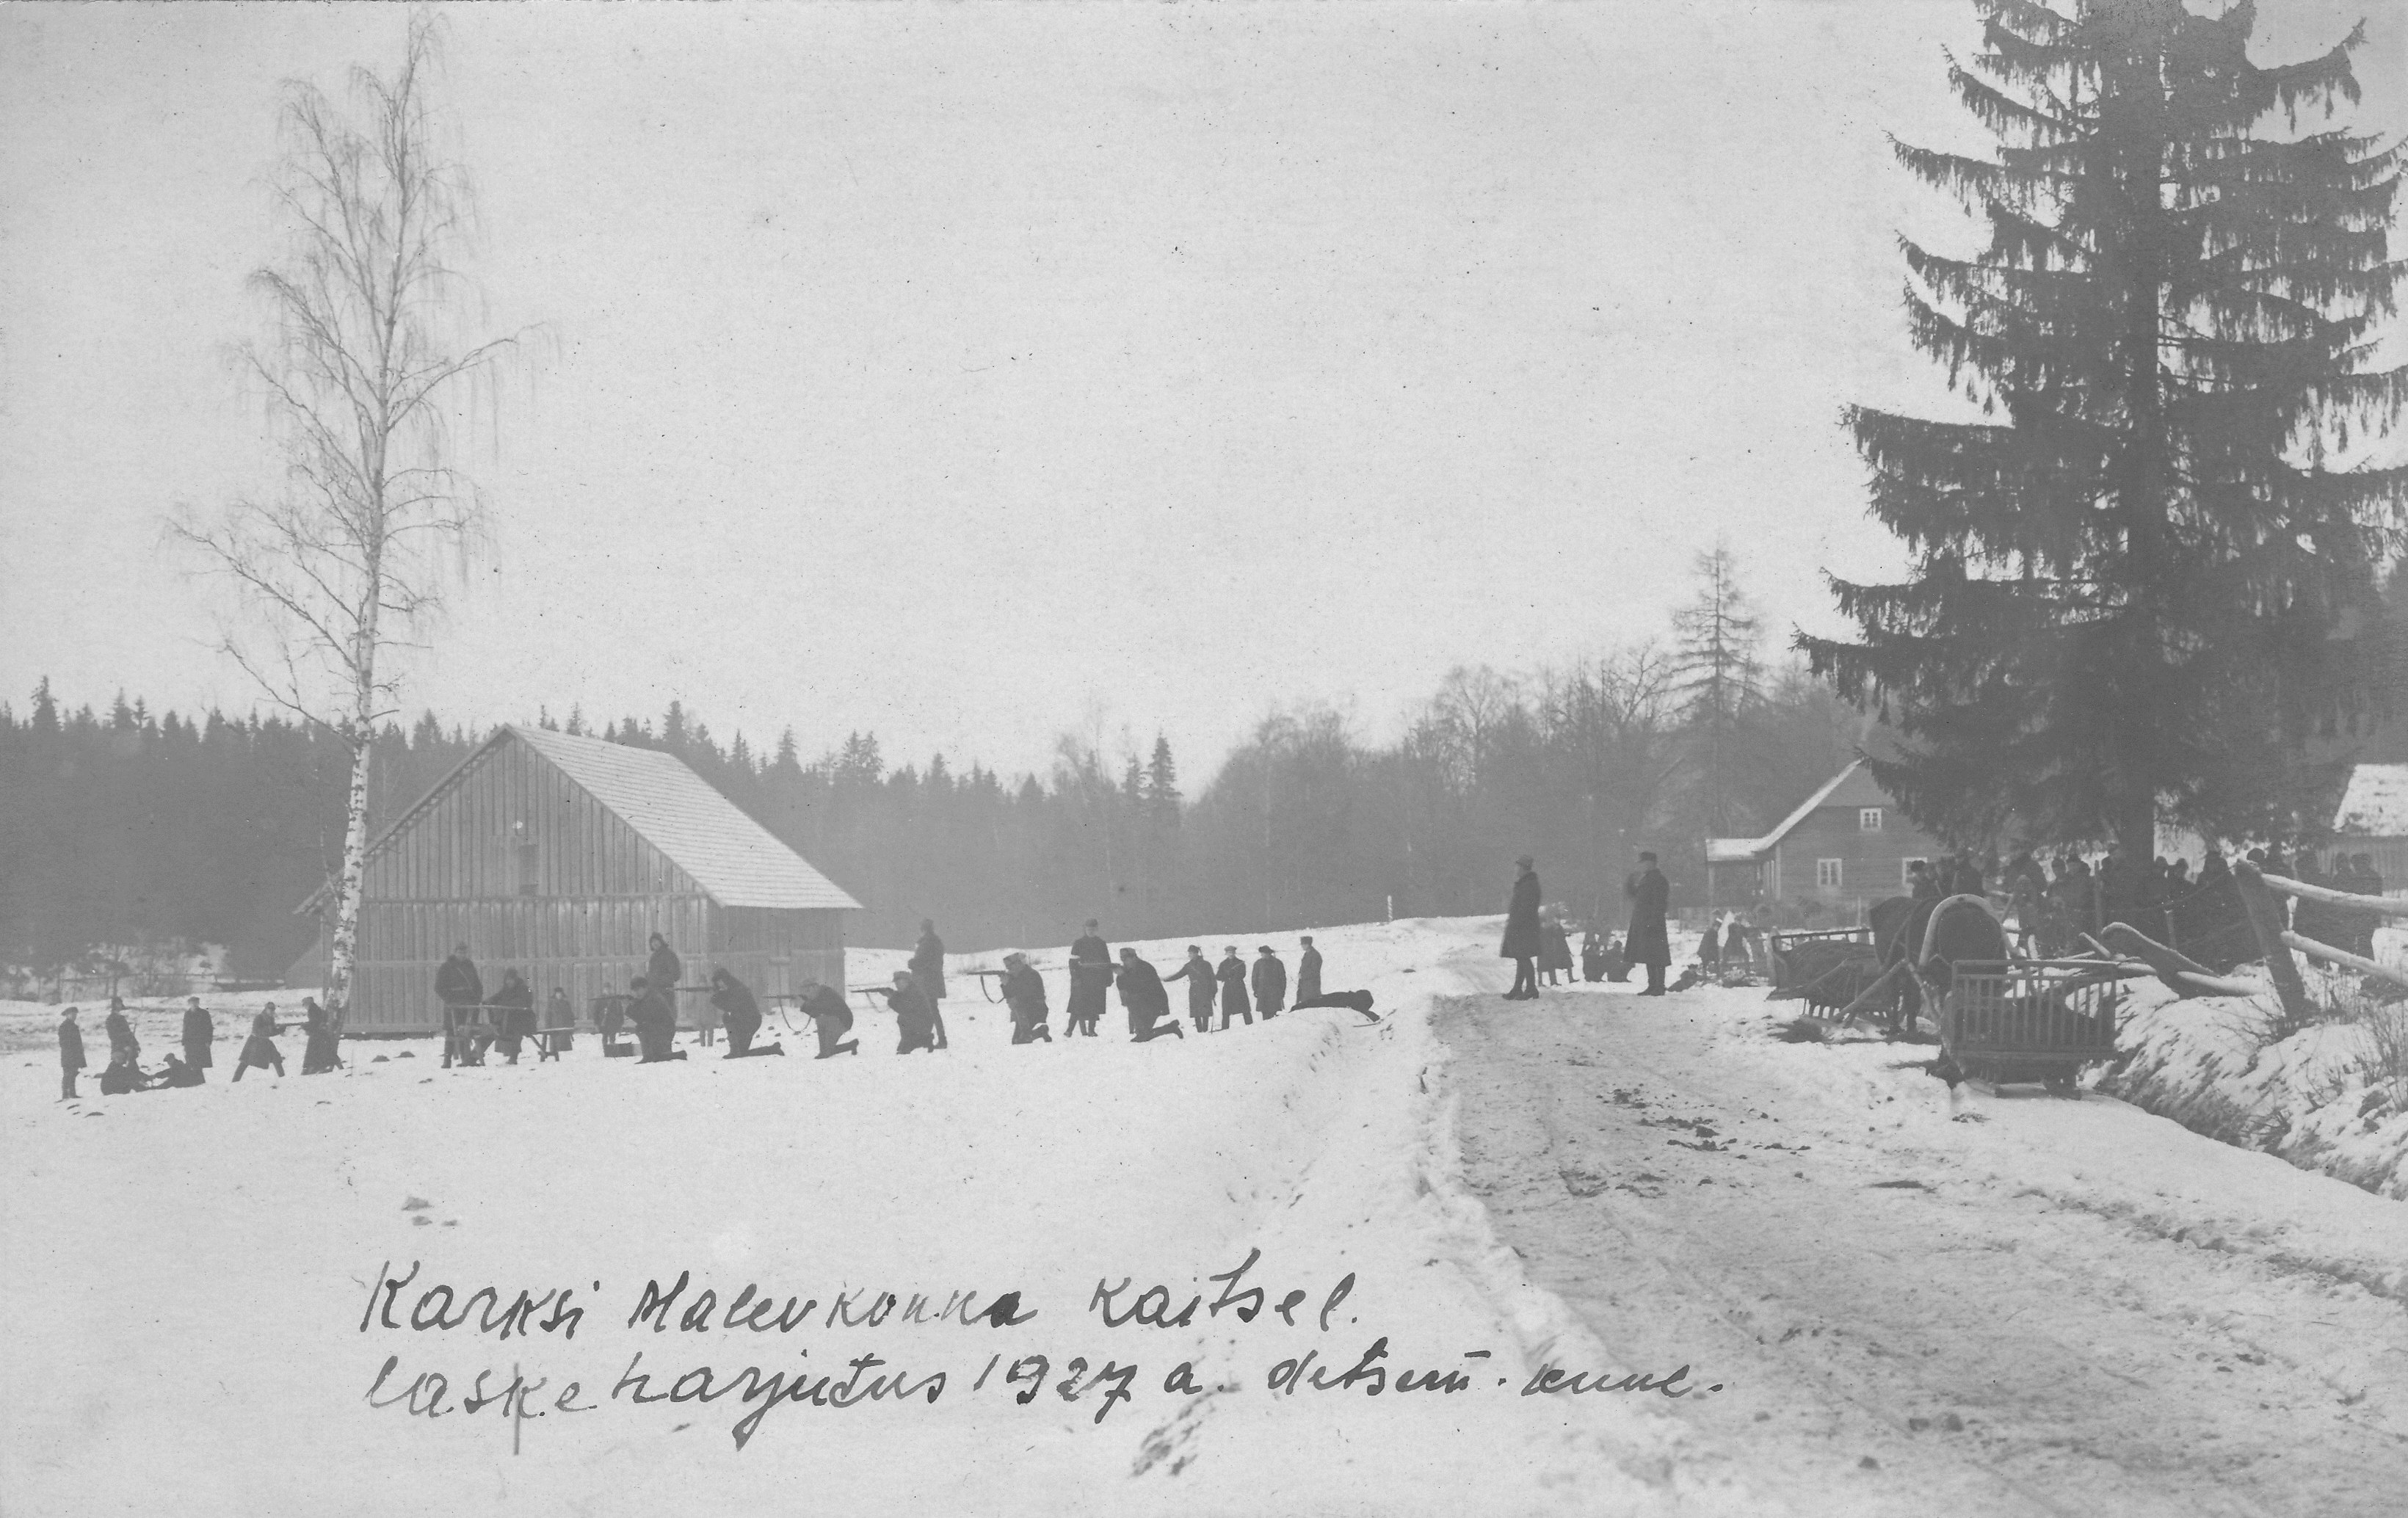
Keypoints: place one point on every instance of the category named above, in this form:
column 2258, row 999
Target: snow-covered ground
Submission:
column 1511, row 1185
column 187, row 1271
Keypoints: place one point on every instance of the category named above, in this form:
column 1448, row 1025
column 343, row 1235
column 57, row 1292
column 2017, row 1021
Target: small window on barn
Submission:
column 1869, row 819
column 530, row 859
column 1826, row 874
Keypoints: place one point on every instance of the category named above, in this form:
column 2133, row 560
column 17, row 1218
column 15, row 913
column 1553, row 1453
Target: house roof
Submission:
column 1733, row 851
column 736, row 860
column 2375, row 802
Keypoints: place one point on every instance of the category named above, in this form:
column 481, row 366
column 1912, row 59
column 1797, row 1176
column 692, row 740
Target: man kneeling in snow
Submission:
column 830, row 1018
column 655, row 1022
column 1148, row 1000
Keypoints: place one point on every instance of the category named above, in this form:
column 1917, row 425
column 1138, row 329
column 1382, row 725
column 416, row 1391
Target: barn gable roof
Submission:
column 736, row 860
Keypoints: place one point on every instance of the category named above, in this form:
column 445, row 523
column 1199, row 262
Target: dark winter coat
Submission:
column 1522, row 941
column 259, row 1051
column 456, row 984
column 1024, row 992
column 1143, row 994
column 915, row 1014
column 123, row 1044
column 661, row 973
column 1091, row 976
column 656, row 1019
column 1557, row 954
column 1201, row 984
column 1308, row 976
column 1270, row 982
column 1650, row 894
column 517, row 1003
column 1232, row 975
column 927, row 966
column 826, row 1008
column 737, row 1006
column 199, row 1032
column 70, row 1046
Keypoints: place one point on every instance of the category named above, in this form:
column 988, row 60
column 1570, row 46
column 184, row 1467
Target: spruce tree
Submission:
column 2132, row 586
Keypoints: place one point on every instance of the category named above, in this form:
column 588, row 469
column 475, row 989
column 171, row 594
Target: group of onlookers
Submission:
column 1541, row 946
column 124, row 1071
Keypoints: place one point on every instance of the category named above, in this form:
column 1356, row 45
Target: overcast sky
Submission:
column 975, row 373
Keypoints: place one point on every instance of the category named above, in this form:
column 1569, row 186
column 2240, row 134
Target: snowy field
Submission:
column 1510, row 1186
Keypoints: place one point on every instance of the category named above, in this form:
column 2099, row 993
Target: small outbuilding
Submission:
column 2372, row 819
column 559, row 857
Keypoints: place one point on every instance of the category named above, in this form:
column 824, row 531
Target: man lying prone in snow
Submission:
column 1359, row 1000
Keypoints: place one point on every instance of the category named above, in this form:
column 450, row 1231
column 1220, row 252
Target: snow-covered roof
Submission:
column 736, row 860
column 2375, row 804
column 1732, row 850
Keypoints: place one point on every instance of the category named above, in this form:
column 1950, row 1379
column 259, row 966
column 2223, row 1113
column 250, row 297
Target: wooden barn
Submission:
column 1845, row 847
column 559, row 857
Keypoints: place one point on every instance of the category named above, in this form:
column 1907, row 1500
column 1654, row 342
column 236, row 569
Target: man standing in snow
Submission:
column 1147, row 1000
column 457, row 987
column 1091, row 976
column 1201, row 985
column 1646, row 942
column 928, row 970
column 70, row 1055
column 1271, row 982
column 1523, row 943
column 1307, row 972
column 123, row 1047
column 1232, row 975
column 199, row 1032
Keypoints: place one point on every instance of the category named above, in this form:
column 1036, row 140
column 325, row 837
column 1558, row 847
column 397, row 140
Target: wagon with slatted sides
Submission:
column 2024, row 1020
column 1824, row 968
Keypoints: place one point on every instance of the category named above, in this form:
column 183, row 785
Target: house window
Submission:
column 1869, row 819
column 530, row 859
column 1906, row 872
column 1826, row 874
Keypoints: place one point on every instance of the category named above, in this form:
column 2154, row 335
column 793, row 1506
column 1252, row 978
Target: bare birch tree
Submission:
column 362, row 375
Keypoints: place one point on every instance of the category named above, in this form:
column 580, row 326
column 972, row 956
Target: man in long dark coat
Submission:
column 830, row 1018
column 928, row 972
column 70, row 1055
column 317, row 1056
column 1232, row 975
column 460, row 990
column 1646, row 942
column 662, row 972
column 1147, row 999
column 513, row 1014
column 1202, row 985
column 1023, row 993
column 1523, row 944
column 1091, row 977
column 1270, row 982
column 199, row 1032
column 123, row 1047
column 1307, row 972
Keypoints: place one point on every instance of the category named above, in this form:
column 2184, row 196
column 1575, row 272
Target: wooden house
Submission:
column 1845, row 847
column 559, row 857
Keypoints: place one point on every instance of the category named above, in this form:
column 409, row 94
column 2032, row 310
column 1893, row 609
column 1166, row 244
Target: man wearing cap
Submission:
column 1023, row 993
column 1271, row 982
column 1307, row 972
column 1232, row 975
column 1523, row 944
column 1202, row 986
column 831, row 1019
column 1647, row 943
column 1091, row 976
column 459, row 989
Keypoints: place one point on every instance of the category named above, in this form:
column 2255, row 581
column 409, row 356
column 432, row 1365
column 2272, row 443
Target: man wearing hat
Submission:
column 1202, row 986
column 1647, row 943
column 1147, row 1000
column 1523, row 944
column 1307, row 972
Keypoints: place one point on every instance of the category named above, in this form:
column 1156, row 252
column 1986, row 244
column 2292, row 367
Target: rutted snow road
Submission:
column 1921, row 1303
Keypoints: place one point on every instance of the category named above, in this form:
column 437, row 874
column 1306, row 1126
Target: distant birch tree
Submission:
column 365, row 365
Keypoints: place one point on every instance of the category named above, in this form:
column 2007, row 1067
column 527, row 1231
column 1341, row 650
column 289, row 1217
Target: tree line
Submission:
column 129, row 827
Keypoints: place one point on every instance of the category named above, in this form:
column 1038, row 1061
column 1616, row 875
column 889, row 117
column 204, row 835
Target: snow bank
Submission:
column 193, row 1278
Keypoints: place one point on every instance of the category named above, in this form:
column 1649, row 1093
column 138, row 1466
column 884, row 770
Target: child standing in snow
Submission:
column 259, row 1051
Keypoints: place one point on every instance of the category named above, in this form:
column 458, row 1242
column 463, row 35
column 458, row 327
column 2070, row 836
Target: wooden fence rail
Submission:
column 2261, row 893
